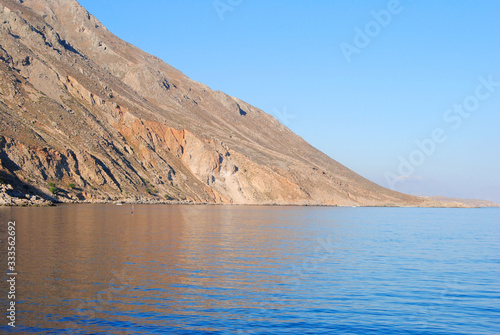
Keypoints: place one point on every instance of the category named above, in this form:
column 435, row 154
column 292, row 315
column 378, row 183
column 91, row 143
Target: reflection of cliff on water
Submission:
column 165, row 260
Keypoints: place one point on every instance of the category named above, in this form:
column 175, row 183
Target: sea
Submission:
column 229, row 269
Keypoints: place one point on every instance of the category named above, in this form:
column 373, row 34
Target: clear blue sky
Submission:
column 361, row 90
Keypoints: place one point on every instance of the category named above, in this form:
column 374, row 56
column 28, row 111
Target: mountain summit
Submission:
column 86, row 116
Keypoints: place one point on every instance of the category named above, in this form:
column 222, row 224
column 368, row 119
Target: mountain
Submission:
column 86, row 116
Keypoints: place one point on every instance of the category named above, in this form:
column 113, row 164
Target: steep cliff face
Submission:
column 102, row 120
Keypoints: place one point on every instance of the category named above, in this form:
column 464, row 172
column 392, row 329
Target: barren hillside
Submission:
column 99, row 119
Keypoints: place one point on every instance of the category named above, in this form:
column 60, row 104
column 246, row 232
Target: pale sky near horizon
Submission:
column 405, row 93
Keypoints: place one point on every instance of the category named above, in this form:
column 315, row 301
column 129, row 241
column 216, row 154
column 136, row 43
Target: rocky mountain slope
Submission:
column 86, row 116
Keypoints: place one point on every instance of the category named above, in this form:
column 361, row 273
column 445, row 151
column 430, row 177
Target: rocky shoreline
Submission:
column 12, row 197
column 9, row 196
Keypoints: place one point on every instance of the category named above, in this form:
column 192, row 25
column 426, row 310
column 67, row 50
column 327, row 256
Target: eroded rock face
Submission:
column 102, row 120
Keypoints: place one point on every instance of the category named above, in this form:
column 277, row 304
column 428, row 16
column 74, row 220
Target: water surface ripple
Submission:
column 98, row 269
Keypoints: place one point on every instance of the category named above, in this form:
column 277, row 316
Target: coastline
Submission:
column 23, row 202
column 9, row 196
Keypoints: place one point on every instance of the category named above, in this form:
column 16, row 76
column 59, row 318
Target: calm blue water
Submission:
column 98, row 269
